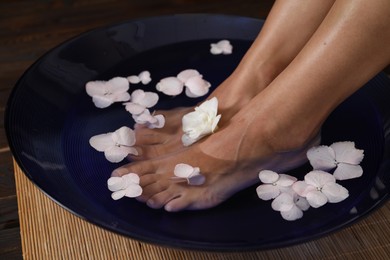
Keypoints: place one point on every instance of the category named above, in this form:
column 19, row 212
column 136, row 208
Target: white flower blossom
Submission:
column 140, row 101
column 144, row 77
column 320, row 187
column 170, row 86
column 104, row 93
column 274, row 184
column 192, row 80
column 340, row 155
column 116, row 145
column 149, row 120
column 185, row 172
column 221, row 47
column 201, row 122
column 124, row 186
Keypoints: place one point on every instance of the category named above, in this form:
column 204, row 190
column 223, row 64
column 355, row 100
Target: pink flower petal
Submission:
column 321, row 157
column 347, row 171
column 267, row 176
column 133, row 108
column 302, row 188
column 171, row 86
column 267, row 191
column 101, row 142
column 347, row 153
column 187, row 74
column 316, row 199
column 285, row 180
column 124, row 136
column 293, row 214
column 133, row 191
column 283, row 202
column 335, row 192
column 319, row 178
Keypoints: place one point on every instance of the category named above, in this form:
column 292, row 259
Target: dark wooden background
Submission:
column 30, row 28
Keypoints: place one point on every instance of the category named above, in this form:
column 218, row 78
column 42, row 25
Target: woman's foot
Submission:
column 230, row 160
column 232, row 94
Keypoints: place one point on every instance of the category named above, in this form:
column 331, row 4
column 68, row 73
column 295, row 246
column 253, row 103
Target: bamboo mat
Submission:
column 50, row 232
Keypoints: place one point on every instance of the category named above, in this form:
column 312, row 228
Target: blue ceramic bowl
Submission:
column 50, row 118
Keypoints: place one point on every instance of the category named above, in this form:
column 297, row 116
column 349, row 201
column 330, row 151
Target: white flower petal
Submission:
column 96, row 88
column 116, row 154
column 133, row 108
column 187, row 74
column 150, row 99
column 221, row 47
column 145, row 77
column 102, row 101
column 196, row 180
column 302, row 188
column 118, row 194
column 321, row 157
column 197, row 87
column 183, row 170
column 347, row 171
column 133, row 191
column 134, row 79
column 316, row 199
column 160, row 122
column 302, row 203
column 283, row 202
column 267, row 176
column 145, row 99
column 118, row 84
column 171, row 86
column 209, row 106
column 335, row 192
column 319, row 178
column 131, row 178
column 116, row 183
column 293, row 214
column 267, row 191
column 101, row 142
column 347, row 153
column 187, row 141
column 285, row 180
column 124, row 136
column 120, row 97
column 215, row 49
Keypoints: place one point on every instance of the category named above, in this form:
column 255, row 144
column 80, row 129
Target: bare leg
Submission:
column 288, row 27
column 274, row 129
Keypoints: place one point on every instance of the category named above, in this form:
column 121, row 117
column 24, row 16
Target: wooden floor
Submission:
column 30, row 28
